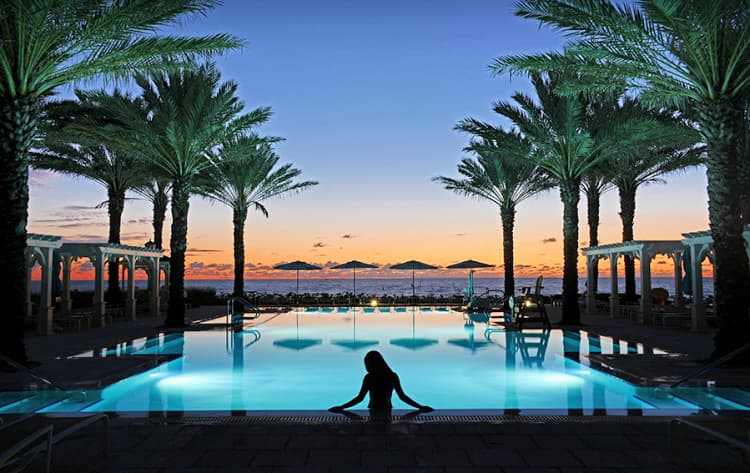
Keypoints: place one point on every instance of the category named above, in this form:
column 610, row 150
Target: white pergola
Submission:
column 698, row 245
column 100, row 253
column 644, row 251
column 40, row 249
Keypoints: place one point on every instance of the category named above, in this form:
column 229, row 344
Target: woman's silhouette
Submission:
column 380, row 381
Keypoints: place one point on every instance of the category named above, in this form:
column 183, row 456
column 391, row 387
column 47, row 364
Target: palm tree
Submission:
column 65, row 148
column 595, row 183
column 555, row 127
column 50, row 43
column 181, row 119
column 156, row 192
column 246, row 175
column 502, row 172
column 690, row 55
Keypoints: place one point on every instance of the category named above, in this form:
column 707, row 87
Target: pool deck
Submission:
column 431, row 443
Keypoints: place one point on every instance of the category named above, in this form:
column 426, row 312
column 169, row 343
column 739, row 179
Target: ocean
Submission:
column 393, row 287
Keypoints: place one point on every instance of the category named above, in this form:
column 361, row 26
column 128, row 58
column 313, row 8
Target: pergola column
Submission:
column 46, row 308
column 154, row 273
column 67, row 303
column 29, row 269
column 614, row 298
column 100, row 307
column 130, row 291
column 645, row 257
column 590, row 295
column 679, row 301
column 698, row 309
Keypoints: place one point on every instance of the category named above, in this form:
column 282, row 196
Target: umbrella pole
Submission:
column 354, row 271
column 298, row 287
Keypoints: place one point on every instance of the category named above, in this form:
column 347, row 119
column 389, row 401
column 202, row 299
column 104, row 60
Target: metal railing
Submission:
column 31, row 373
column 710, row 366
column 246, row 304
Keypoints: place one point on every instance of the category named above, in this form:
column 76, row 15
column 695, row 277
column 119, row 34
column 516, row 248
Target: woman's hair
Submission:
column 375, row 363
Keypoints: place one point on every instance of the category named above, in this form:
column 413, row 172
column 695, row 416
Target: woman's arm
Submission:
column 359, row 398
column 402, row 395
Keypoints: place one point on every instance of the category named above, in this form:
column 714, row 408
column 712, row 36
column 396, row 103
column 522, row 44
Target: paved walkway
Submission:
column 528, row 445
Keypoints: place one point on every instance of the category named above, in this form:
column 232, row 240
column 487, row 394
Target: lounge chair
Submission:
column 384, row 310
column 530, row 306
column 342, row 310
column 368, row 310
column 399, row 309
column 312, row 309
column 326, row 310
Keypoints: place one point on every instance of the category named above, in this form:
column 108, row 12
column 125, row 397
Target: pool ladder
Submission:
column 236, row 318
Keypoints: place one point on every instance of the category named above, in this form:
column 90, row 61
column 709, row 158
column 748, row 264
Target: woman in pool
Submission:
column 380, row 381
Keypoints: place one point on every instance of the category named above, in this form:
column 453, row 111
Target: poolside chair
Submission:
column 368, row 310
column 399, row 309
column 312, row 309
column 384, row 310
column 326, row 310
column 342, row 310
column 530, row 307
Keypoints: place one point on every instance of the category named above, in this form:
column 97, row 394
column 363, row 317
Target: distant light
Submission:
column 527, row 303
column 374, row 303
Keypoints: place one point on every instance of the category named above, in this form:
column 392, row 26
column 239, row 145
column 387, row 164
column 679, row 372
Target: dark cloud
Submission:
column 661, row 262
column 348, row 236
column 80, row 207
column 319, row 244
column 82, row 224
column 139, row 220
column 201, row 250
column 462, row 234
column 549, row 240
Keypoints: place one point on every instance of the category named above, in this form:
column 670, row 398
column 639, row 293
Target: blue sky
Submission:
column 366, row 94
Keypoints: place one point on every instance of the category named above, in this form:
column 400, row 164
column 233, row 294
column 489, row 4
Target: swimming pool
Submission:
column 313, row 360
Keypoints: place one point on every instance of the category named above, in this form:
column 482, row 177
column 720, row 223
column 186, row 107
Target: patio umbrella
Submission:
column 413, row 343
column 470, row 264
column 413, row 265
column 298, row 343
column 355, row 344
column 469, row 343
column 354, row 265
column 297, row 266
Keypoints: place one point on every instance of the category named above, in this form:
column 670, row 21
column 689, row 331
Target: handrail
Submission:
column 31, row 373
column 713, row 433
column 712, row 365
column 245, row 303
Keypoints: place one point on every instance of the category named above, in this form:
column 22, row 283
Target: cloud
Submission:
column 38, row 177
column 462, row 234
column 139, row 220
column 348, row 236
column 201, row 250
column 549, row 240
column 80, row 207
column 319, row 244
column 82, row 224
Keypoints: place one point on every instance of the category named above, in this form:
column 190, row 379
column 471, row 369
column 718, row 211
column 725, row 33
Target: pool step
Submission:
column 662, row 398
column 75, row 402
column 10, row 397
column 740, row 396
column 708, row 399
column 39, row 400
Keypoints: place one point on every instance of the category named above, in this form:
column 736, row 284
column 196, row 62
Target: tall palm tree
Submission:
column 65, row 148
column 156, row 192
column 50, row 43
column 181, row 119
column 595, row 183
column 686, row 54
column 555, row 126
column 245, row 176
column 501, row 171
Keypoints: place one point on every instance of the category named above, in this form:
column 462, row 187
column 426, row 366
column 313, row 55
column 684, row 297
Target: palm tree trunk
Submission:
column 177, row 247
column 160, row 213
column 115, row 206
column 743, row 173
column 722, row 126
column 508, row 216
column 570, row 196
column 238, row 219
column 17, row 129
column 627, row 215
column 592, row 201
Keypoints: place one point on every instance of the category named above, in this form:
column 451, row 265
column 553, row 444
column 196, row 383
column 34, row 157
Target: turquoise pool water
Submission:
column 313, row 360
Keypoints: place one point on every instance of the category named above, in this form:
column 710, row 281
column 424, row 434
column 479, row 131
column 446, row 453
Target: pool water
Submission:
column 313, row 360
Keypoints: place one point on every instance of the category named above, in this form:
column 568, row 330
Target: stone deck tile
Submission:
column 323, row 441
column 362, row 442
column 280, row 458
column 604, row 458
column 526, row 469
column 559, row 441
column 459, row 441
column 262, row 442
column 473, row 469
column 549, row 457
column 609, row 442
column 514, row 441
column 441, row 457
column 331, row 457
column 389, row 458
column 224, row 458
column 495, row 457
column 412, row 441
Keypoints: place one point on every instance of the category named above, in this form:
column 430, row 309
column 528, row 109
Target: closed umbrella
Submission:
column 297, row 266
column 413, row 265
column 354, row 265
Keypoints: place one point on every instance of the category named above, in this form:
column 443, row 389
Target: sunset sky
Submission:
column 367, row 95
